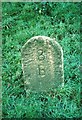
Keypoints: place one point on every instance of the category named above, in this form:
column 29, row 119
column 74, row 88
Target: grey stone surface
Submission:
column 42, row 63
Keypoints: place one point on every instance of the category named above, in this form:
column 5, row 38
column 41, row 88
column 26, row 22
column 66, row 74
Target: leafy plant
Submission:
column 22, row 21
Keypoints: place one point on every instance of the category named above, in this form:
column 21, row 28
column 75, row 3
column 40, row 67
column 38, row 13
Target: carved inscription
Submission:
column 41, row 67
column 42, row 64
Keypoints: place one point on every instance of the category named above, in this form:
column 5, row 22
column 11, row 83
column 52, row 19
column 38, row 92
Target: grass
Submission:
column 22, row 21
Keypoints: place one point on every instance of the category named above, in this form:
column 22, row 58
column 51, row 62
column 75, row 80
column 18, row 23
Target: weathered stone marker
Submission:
column 42, row 63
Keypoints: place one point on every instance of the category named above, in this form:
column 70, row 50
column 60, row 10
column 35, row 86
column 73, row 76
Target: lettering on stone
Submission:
column 42, row 63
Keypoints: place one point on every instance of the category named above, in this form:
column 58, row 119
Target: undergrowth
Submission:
column 22, row 21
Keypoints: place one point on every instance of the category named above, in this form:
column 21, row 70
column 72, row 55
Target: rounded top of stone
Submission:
column 53, row 40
